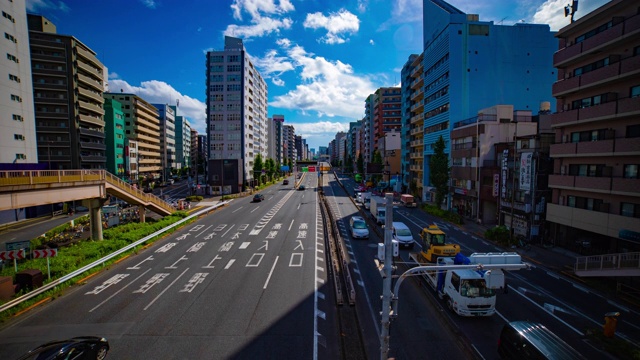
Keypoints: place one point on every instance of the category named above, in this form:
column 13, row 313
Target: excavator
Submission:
column 434, row 245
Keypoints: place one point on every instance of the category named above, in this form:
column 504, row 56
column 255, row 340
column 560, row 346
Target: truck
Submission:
column 377, row 208
column 472, row 292
column 407, row 200
column 366, row 199
column 434, row 245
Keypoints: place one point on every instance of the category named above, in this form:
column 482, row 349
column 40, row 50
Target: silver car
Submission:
column 359, row 229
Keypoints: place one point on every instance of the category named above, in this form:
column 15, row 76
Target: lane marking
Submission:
column 229, row 264
column 165, row 289
column 270, row 273
column 119, row 291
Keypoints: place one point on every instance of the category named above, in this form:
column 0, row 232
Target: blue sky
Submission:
column 320, row 58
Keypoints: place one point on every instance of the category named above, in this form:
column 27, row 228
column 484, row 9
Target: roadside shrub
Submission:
column 499, row 234
column 443, row 214
column 194, row 198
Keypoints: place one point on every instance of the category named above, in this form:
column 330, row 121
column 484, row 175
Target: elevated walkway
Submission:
column 622, row 264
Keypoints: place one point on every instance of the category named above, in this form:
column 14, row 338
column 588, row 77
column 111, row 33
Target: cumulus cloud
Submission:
column 151, row 4
column 552, row 12
column 260, row 12
column 321, row 132
column 159, row 92
column 336, row 24
column 328, row 88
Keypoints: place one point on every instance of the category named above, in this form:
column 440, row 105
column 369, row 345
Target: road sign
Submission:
column 17, row 245
column 312, row 169
column 12, row 255
column 37, row 254
column 305, row 169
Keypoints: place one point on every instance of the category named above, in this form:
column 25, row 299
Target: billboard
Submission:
column 525, row 171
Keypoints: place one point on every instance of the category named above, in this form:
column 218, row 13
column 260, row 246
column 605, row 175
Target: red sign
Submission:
column 11, row 255
column 37, row 254
column 312, row 169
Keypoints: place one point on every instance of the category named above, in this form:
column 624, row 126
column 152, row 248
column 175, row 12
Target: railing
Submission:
column 124, row 186
column 618, row 261
column 34, row 177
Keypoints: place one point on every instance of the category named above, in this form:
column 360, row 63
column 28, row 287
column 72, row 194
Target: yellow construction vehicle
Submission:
column 434, row 245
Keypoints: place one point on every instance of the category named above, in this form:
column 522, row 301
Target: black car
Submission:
column 258, row 197
column 82, row 347
column 285, row 182
column 301, row 187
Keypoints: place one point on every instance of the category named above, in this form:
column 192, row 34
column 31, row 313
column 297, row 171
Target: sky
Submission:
column 320, row 58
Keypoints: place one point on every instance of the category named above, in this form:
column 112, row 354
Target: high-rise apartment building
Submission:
column 412, row 129
column 185, row 139
column 68, row 86
column 142, row 124
column 468, row 64
column 386, row 113
column 289, row 144
column 167, row 117
column 367, row 126
column 237, row 118
column 596, row 184
column 114, row 137
column 18, row 143
column 276, row 138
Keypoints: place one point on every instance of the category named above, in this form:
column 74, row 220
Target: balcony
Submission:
column 415, row 168
column 417, row 143
column 94, row 120
column 593, row 113
column 90, row 94
column 416, row 155
column 593, row 221
column 561, row 181
column 626, row 187
column 92, row 145
column 90, row 107
column 593, row 184
column 93, row 158
column 562, row 150
column 418, row 82
column 415, row 71
column 88, row 56
column 418, row 107
column 601, row 147
column 417, row 118
column 417, row 95
column 90, row 132
column 615, row 71
column 90, row 82
column 89, row 69
column 627, row 146
column 417, row 130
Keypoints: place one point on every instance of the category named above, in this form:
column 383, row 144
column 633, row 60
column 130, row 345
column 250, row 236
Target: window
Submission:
column 12, row 58
column 18, row 137
column 630, row 210
column 233, row 58
column 21, row 157
column 16, row 98
column 594, row 32
column 586, row 170
column 217, row 146
column 590, row 135
column 17, row 117
column 631, row 171
column 217, row 68
column 10, row 37
column 233, row 68
column 233, row 78
column 217, row 117
column 234, row 87
column 590, row 67
column 216, row 88
column 633, row 131
column 590, row 101
column 216, row 58
column 7, row 16
column 216, row 78
column 217, row 137
column 635, row 91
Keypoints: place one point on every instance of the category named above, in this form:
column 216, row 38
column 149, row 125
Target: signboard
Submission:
column 284, row 168
column 12, row 255
column 505, row 172
column 312, row 169
column 305, row 169
column 37, row 254
column 496, row 184
column 525, row 171
column 17, row 245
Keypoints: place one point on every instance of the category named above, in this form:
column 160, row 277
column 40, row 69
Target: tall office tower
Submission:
column 595, row 206
column 142, row 124
column 352, row 144
column 276, row 139
column 185, row 139
column 167, row 119
column 386, row 114
column 115, row 138
column 470, row 64
column 68, row 87
column 368, row 128
column 236, row 109
column 289, row 144
column 18, row 143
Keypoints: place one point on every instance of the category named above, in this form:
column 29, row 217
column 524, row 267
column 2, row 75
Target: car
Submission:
column 402, row 234
column 359, row 228
column 258, row 197
column 82, row 347
column 301, row 187
column 532, row 340
column 285, row 182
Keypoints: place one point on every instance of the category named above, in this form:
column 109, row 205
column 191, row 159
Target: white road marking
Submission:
column 296, row 260
column 231, row 227
column 136, row 267
column 270, row 272
column 229, row 264
column 173, row 266
column 165, row 289
column 196, row 279
column 255, row 263
column 119, row 291
column 237, row 209
column 211, row 266
column 244, row 245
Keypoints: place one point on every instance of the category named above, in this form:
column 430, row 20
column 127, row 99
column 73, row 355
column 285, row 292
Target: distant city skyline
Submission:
column 320, row 60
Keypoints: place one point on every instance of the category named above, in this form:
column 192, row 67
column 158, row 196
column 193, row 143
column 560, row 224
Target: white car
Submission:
column 359, row 229
column 402, row 234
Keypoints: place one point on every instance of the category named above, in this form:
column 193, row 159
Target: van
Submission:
column 402, row 234
column 528, row 340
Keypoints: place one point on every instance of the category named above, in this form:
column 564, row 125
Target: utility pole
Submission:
column 386, row 281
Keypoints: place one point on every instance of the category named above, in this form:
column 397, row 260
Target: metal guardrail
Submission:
column 618, row 261
column 101, row 261
column 126, row 187
column 34, row 177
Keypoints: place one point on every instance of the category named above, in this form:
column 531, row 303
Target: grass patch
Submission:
column 443, row 214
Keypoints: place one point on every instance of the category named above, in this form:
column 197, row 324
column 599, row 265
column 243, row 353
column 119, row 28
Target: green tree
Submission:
column 376, row 158
column 439, row 171
column 270, row 166
column 360, row 164
column 258, row 165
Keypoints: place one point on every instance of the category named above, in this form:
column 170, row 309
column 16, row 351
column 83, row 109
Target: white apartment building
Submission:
column 237, row 120
column 18, row 143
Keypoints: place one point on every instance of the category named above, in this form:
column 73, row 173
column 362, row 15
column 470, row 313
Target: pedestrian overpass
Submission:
column 20, row 189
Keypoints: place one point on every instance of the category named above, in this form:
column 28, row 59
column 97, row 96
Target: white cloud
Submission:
column 552, row 12
column 271, row 63
column 257, row 7
column 261, row 26
column 151, row 4
column 328, row 88
column 402, row 12
column 371, row 42
column 319, row 133
column 38, row 5
column 159, row 92
column 277, row 81
column 336, row 24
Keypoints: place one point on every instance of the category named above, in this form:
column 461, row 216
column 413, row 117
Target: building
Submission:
column 185, row 140
column 595, row 205
column 412, row 129
column 276, row 137
column 289, row 144
column 131, row 161
column 68, row 86
column 167, row 117
column 237, row 119
column 387, row 113
column 367, row 126
column 468, row 64
column 18, row 142
column 142, row 125
column 114, row 131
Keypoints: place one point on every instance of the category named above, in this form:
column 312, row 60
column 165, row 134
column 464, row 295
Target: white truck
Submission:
column 366, row 200
column 472, row 292
column 377, row 208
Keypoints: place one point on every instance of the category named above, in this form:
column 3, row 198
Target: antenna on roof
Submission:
column 502, row 20
column 571, row 9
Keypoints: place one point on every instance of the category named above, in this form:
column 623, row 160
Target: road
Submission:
column 248, row 281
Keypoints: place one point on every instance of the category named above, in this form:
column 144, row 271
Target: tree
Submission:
column 270, row 166
column 439, row 171
column 360, row 164
column 258, row 165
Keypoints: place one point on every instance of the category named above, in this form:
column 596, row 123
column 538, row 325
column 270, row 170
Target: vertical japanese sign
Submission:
column 505, row 171
column 525, row 171
column 496, row 185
